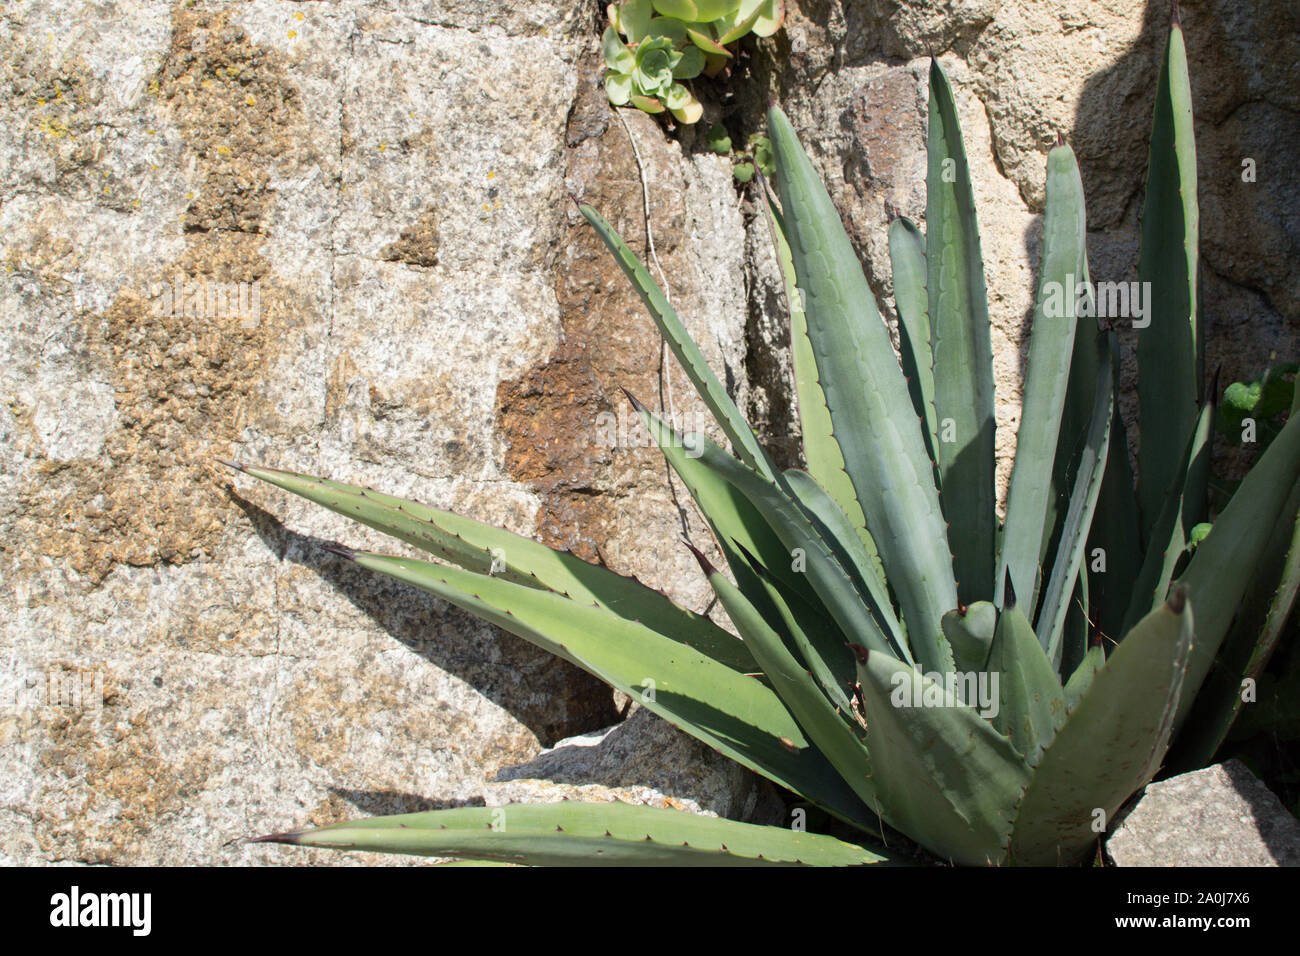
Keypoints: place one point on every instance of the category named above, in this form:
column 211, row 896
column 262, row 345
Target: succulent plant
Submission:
column 650, row 46
column 994, row 691
column 758, row 156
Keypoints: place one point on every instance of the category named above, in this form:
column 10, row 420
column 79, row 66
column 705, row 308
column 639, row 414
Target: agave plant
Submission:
column 905, row 661
column 652, row 45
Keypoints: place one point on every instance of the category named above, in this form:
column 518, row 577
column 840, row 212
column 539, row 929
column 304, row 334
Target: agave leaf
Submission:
column 487, row 550
column 841, row 592
column 853, row 550
column 801, row 621
column 872, row 415
column 821, row 449
column 1114, row 536
column 1248, row 645
column 735, row 714
column 963, row 353
column 944, row 776
column 734, row 520
column 1169, row 351
column 1066, row 579
column 715, row 397
column 1225, row 562
column 1031, row 704
column 1277, row 711
column 1077, row 632
column 1171, row 533
column 907, row 260
column 1051, row 347
column 1110, row 745
column 1091, row 354
column 573, row 833
column 970, row 631
column 822, row 720
column 1081, row 679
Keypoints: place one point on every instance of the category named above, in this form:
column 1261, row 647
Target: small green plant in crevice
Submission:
column 757, row 156
column 652, row 48
column 757, row 153
column 1252, row 413
column 718, row 140
column 904, row 663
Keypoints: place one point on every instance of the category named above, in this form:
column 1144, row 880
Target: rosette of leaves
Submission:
column 651, row 46
column 1046, row 661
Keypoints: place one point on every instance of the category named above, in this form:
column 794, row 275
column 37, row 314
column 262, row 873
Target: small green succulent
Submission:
column 651, row 46
column 994, row 690
column 718, row 139
column 1251, row 412
column 758, row 157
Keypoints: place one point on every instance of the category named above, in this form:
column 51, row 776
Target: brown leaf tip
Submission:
column 289, row 836
column 1009, row 596
column 860, row 652
column 705, row 565
column 636, row 404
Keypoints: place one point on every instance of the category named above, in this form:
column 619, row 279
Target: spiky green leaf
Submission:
column 943, row 775
column 970, row 632
column 487, row 550
column 1067, row 577
column 1110, row 745
column 1031, row 705
column 1051, row 346
column 907, row 261
column 871, row 412
column 733, row 713
column 1223, row 565
column 573, row 833
column 1169, row 348
column 715, row 397
column 963, row 352
column 821, row 450
column 1171, row 534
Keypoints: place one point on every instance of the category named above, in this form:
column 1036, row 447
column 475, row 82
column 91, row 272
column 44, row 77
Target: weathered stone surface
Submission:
column 183, row 665
column 1220, row 816
column 642, row 760
column 395, row 196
